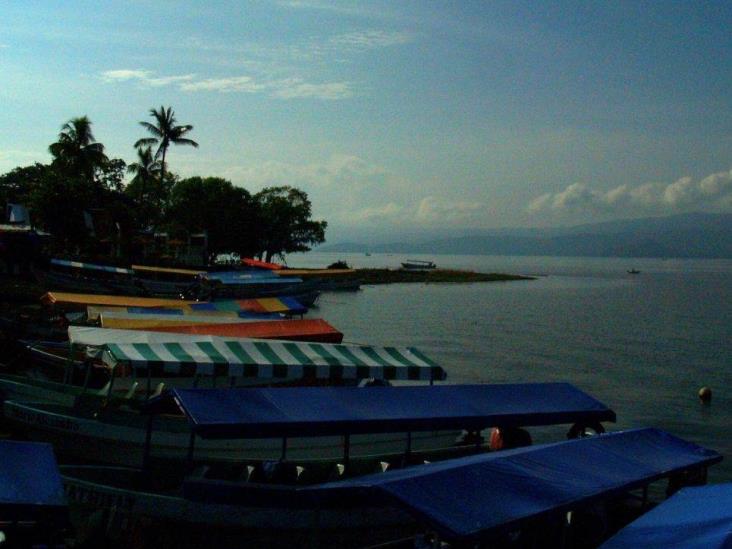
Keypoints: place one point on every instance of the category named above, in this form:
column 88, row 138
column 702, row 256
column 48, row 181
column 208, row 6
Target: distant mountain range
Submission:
column 697, row 235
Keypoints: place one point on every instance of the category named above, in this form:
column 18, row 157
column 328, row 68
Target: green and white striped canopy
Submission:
column 269, row 359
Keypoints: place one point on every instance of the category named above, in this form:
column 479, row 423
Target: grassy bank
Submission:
column 390, row 276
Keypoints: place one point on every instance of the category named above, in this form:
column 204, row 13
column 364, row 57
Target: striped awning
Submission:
column 268, row 359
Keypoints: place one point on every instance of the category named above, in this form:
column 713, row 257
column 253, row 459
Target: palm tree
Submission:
column 165, row 131
column 76, row 151
column 145, row 171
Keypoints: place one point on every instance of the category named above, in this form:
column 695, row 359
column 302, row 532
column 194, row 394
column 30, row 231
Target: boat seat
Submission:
column 104, row 390
column 275, row 472
column 357, row 468
column 158, row 390
column 131, row 392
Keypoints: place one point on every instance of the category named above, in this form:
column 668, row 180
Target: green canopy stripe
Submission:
column 348, row 355
column 268, row 352
column 373, row 355
column 296, row 352
column 399, row 357
column 240, row 353
column 325, row 355
column 423, row 358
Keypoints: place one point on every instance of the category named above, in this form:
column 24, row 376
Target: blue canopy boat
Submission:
column 32, row 502
column 694, row 518
column 358, row 419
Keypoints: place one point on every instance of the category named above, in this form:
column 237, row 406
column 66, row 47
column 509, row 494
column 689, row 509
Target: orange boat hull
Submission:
column 315, row 330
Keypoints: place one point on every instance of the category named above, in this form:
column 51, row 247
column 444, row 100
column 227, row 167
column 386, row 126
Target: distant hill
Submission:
column 686, row 235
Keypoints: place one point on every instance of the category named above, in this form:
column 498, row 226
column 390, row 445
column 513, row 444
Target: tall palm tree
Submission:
column 165, row 132
column 76, row 149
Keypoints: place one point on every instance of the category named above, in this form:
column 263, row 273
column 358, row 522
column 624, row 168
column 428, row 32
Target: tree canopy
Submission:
column 287, row 226
column 82, row 179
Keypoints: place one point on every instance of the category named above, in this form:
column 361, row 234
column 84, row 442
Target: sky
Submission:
column 396, row 117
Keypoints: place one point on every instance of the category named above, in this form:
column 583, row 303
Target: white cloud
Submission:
column 713, row 192
column 144, row 77
column 295, row 88
column 388, row 212
column 433, row 210
column 244, row 84
column 371, row 39
column 340, row 171
column 289, row 88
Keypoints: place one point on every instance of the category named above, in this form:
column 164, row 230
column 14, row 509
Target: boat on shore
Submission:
column 294, row 501
column 418, row 265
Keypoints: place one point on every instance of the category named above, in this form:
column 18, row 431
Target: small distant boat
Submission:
column 418, row 265
column 633, row 271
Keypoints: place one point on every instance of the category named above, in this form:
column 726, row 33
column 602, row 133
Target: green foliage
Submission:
column 287, row 226
column 76, row 154
column 81, row 178
column 214, row 204
column 165, row 131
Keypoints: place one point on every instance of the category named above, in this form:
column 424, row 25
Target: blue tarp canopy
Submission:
column 694, row 518
column 30, row 484
column 490, row 494
column 322, row 411
column 250, row 277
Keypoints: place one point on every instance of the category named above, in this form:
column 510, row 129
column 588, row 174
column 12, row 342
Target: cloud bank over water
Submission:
column 711, row 193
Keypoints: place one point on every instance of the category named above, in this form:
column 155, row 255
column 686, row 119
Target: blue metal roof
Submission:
column 694, row 518
column 29, row 480
column 488, row 494
column 320, row 411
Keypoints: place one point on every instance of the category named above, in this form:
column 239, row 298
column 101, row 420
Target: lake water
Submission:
column 643, row 344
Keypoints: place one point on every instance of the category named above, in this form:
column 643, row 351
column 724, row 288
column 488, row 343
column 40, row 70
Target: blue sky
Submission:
column 397, row 116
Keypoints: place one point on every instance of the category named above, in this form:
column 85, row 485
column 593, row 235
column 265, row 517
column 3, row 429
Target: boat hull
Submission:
column 118, row 437
column 178, row 521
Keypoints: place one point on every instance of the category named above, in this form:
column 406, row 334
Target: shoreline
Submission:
column 397, row 276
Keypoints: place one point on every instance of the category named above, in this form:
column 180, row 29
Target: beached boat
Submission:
column 77, row 276
column 418, row 265
column 294, row 502
column 129, row 365
column 80, row 302
column 314, row 329
column 88, row 428
column 166, row 281
column 33, row 510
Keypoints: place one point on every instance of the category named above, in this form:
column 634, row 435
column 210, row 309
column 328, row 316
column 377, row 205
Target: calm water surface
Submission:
column 643, row 344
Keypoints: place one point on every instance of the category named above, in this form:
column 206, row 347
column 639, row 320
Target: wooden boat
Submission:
column 33, row 510
column 118, row 435
column 107, row 363
column 88, row 428
column 314, row 329
column 295, row 330
column 77, row 276
column 418, row 265
column 296, row 501
column 79, row 302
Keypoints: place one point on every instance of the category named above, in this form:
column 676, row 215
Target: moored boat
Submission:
column 313, row 501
